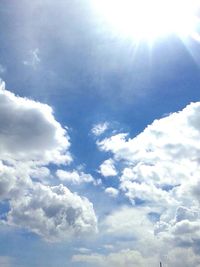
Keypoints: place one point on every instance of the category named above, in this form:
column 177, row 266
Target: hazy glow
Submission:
column 150, row 19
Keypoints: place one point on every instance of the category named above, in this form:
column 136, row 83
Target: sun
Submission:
column 150, row 19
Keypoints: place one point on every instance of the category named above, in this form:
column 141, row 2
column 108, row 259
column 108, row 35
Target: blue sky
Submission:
column 99, row 151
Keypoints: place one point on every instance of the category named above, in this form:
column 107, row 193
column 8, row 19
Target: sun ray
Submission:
column 148, row 20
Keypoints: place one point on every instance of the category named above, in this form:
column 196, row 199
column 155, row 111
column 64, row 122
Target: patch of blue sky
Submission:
column 4, row 208
column 27, row 249
column 154, row 216
column 168, row 187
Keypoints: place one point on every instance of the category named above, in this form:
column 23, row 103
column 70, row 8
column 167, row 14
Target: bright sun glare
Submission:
column 150, row 19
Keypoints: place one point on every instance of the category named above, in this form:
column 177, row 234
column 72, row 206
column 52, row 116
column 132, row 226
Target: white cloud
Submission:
column 180, row 257
column 129, row 222
column 183, row 230
column 74, row 177
column 54, row 213
column 183, row 257
column 113, row 192
column 99, row 129
column 83, row 250
column 2, row 69
column 29, row 131
column 127, row 257
column 107, row 168
column 2, row 85
column 31, row 139
column 160, row 171
column 164, row 155
column 14, row 179
column 134, row 227
column 146, row 192
column 33, row 58
column 116, row 144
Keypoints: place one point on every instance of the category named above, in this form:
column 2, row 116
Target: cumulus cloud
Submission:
column 74, row 177
column 99, row 129
column 107, row 168
column 113, row 192
column 161, row 159
column 135, row 228
column 31, row 139
column 160, row 170
column 183, row 230
column 29, row 131
column 54, row 213
column 14, row 179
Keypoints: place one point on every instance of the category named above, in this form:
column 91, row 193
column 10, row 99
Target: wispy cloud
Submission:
column 100, row 128
column 33, row 58
column 2, row 69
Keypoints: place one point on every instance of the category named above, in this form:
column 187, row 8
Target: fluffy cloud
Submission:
column 29, row 131
column 160, row 160
column 113, row 192
column 136, row 228
column 107, row 168
column 14, row 179
column 74, row 177
column 31, row 139
column 183, row 230
column 160, row 171
column 54, row 213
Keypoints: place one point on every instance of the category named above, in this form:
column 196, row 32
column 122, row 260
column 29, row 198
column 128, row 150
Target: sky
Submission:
column 99, row 140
